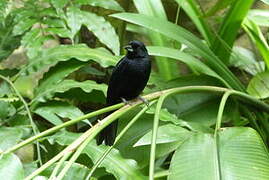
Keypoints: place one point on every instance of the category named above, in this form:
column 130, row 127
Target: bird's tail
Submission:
column 108, row 134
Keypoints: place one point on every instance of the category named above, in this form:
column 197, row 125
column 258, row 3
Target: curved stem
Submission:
column 84, row 139
column 154, row 136
column 58, row 166
column 58, row 127
column 99, row 161
column 221, row 110
column 218, row 125
column 34, row 127
column 188, row 89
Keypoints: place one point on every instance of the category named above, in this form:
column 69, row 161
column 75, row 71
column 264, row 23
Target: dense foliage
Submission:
column 208, row 116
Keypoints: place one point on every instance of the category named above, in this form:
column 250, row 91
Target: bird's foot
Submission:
column 126, row 102
column 145, row 101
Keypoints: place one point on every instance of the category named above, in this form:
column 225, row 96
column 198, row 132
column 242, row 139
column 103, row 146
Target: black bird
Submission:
column 127, row 81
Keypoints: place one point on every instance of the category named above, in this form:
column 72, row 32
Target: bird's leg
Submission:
column 125, row 101
column 143, row 100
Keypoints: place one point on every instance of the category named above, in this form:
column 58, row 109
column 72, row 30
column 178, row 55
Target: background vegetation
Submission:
column 208, row 90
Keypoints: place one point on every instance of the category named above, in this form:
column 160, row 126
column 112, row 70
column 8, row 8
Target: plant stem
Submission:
column 188, row 89
column 99, row 161
column 221, row 110
column 66, row 124
column 217, row 127
column 154, row 136
column 34, row 127
column 84, row 139
column 56, row 169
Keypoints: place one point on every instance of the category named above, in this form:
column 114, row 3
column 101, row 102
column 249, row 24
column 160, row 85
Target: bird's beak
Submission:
column 128, row 48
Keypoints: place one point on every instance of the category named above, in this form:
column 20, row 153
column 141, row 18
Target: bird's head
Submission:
column 136, row 49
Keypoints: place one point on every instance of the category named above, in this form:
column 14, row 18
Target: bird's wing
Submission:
column 115, row 81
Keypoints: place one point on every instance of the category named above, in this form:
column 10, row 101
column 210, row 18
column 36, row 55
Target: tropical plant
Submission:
column 208, row 116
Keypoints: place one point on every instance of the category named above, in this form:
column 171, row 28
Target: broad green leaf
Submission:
column 246, row 60
column 259, row 85
column 8, row 42
column 51, row 111
column 191, row 7
column 11, row 167
column 189, row 123
column 255, row 33
column 107, row 4
column 114, row 163
column 74, row 20
column 25, row 85
column 59, row 3
column 97, row 24
column 156, row 83
column 103, row 30
column 237, row 153
column 180, row 34
column 141, row 153
column 23, row 26
column 165, row 115
column 229, row 28
column 166, row 134
column 77, row 171
column 9, row 136
column 167, row 69
column 57, row 74
column 6, row 110
column 33, row 41
column 50, row 57
column 5, row 89
column 87, row 86
column 191, row 61
column 259, row 16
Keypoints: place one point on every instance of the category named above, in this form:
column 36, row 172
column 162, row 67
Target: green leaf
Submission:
column 246, row 60
column 180, row 34
column 74, row 20
column 166, row 134
column 189, row 123
column 114, row 163
column 259, row 16
column 229, row 29
column 97, row 24
column 25, row 85
column 87, row 86
column 9, row 136
column 238, row 153
column 11, row 167
column 51, row 110
column 77, row 171
column 33, row 41
column 191, row 61
column 23, row 26
column 193, row 10
column 255, row 33
column 57, row 74
column 107, row 4
column 259, row 85
column 6, row 110
column 8, row 42
column 167, row 69
column 59, row 4
column 50, row 57
column 165, row 115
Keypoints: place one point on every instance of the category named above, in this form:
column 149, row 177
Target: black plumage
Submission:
column 127, row 81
